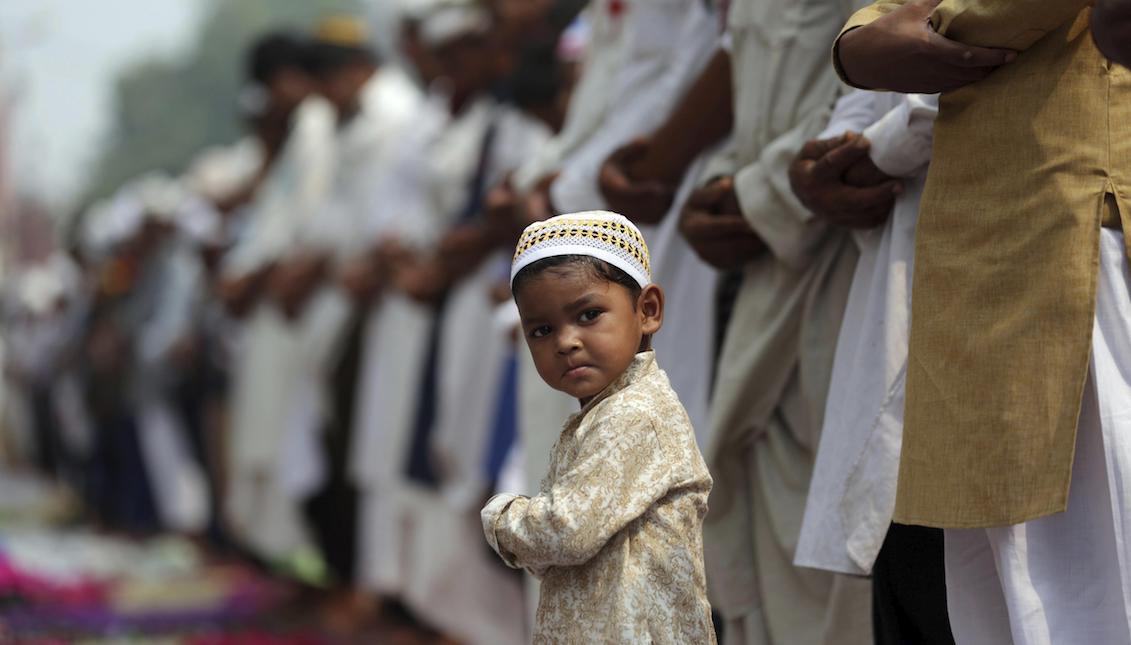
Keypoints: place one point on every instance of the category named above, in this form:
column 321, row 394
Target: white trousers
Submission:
column 1064, row 579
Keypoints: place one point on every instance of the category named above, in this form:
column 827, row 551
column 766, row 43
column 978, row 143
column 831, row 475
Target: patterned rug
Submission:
column 80, row 587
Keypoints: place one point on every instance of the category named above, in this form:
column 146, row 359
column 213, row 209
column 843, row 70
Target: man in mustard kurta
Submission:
column 1017, row 387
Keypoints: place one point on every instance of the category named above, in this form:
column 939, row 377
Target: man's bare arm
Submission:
column 701, row 119
column 640, row 178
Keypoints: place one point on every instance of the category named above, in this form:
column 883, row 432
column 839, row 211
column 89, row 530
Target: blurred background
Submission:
column 96, row 95
column 232, row 236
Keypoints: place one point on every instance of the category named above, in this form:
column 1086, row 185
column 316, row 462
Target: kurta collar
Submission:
column 643, row 364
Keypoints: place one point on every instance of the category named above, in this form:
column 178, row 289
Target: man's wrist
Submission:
column 838, row 57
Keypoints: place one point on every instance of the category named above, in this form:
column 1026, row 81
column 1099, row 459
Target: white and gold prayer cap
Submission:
column 599, row 234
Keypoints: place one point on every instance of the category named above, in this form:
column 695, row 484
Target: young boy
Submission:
column 616, row 534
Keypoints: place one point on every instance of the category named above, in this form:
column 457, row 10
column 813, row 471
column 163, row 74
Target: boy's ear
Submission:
column 650, row 304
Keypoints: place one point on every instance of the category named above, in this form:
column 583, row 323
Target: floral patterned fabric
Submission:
column 616, row 533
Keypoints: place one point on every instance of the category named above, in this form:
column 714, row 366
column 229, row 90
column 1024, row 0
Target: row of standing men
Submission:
column 377, row 390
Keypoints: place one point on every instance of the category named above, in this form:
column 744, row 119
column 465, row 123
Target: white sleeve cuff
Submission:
column 490, row 515
column 901, row 140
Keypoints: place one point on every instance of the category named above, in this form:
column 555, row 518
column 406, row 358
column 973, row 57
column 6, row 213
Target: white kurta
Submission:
column 665, row 44
column 541, row 410
column 852, row 494
column 219, row 172
column 687, row 339
column 1065, row 578
column 412, row 539
column 293, row 190
column 478, row 603
column 395, row 341
column 346, row 223
column 591, row 98
column 772, row 378
column 269, row 362
column 179, row 486
column 473, row 347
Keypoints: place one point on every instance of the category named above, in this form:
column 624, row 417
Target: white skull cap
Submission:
column 599, row 234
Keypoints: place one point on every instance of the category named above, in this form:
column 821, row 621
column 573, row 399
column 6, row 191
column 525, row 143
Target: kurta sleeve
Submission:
column 587, row 105
column 667, row 45
column 788, row 228
column 721, row 163
column 620, row 471
column 901, row 140
column 1016, row 24
column 297, row 189
column 764, row 190
column 853, row 112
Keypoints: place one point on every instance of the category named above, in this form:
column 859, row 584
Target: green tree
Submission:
column 168, row 110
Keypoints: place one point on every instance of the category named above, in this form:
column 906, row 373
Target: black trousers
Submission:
column 48, row 450
column 909, row 588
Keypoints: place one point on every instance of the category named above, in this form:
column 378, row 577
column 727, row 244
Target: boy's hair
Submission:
column 274, row 52
column 598, row 268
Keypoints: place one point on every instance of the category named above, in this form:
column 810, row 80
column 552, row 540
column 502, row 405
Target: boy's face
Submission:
column 583, row 331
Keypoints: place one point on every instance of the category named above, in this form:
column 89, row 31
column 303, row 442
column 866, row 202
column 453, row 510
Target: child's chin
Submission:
column 582, row 393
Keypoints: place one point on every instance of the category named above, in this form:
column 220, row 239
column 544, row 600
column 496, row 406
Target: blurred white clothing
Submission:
column 592, row 97
column 665, row 44
column 852, row 494
column 469, row 369
column 346, row 223
column 773, row 372
column 269, row 363
column 395, row 340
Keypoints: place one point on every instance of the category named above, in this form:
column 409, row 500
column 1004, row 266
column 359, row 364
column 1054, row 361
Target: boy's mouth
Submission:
column 577, row 371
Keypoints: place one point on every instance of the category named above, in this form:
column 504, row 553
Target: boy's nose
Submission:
column 568, row 343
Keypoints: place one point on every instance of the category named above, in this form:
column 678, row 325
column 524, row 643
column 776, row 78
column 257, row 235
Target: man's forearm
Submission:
column 701, row 119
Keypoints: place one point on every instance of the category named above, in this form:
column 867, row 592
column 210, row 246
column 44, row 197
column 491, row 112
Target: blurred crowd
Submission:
column 297, row 349
column 303, row 349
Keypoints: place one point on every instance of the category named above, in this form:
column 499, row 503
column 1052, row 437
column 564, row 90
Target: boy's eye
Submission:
column 590, row 315
column 540, row 332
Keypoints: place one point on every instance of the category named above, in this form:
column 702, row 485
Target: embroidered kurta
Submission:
column 616, row 532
